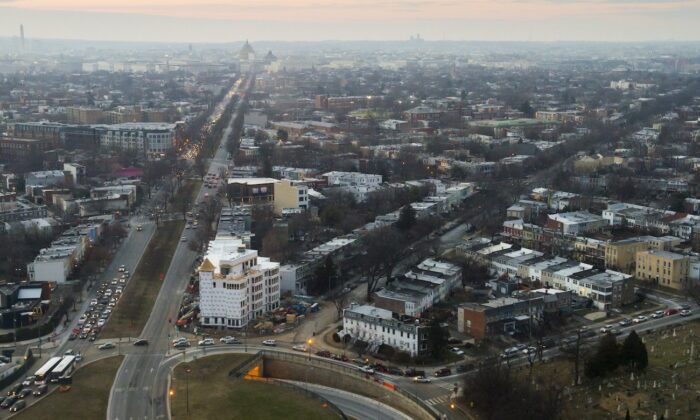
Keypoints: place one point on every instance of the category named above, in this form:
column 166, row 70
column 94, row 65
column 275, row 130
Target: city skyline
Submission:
column 226, row 21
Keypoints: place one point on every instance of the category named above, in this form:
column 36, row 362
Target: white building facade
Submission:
column 236, row 285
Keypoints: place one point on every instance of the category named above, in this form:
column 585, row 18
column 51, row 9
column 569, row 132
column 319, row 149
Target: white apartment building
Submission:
column 338, row 178
column 236, row 285
column 377, row 326
column 150, row 139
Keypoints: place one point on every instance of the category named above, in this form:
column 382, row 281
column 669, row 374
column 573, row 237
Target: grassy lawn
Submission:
column 671, row 382
column 134, row 307
column 87, row 398
column 213, row 395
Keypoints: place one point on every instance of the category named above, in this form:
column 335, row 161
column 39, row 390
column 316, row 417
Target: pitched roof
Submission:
column 207, row 266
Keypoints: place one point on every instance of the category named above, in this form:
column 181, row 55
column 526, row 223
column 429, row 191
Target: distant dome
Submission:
column 246, row 52
column 269, row 58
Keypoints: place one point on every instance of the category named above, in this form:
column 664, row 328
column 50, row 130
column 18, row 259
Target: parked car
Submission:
column 686, row 312
column 206, row 342
column 625, row 322
column 229, row 340
column 269, row 342
column 457, row 351
column 639, row 319
column 24, row 393
column 443, row 372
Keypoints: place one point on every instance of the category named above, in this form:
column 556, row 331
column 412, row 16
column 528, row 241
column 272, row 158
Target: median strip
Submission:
column 135, row 305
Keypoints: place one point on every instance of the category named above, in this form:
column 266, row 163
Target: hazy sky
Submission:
column 232, row 20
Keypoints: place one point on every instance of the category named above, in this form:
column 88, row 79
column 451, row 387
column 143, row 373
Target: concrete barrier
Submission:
column 298, row 367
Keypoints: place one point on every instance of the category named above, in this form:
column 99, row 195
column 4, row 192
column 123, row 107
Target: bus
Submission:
column 42, row 373
column 64, row 368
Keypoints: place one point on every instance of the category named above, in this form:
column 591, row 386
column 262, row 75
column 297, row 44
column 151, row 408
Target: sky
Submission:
column 315, row 20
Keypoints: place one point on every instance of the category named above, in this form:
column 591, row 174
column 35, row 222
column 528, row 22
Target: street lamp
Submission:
column 187, row 388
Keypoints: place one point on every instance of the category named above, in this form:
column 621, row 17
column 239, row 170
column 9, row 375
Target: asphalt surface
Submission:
column 353, row 405
column 138, row 391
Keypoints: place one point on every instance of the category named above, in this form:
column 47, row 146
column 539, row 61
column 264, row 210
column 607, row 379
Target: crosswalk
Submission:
column 445, row 385
column 438, row 400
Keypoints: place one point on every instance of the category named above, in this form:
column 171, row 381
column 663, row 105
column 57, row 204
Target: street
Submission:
column 138, row 390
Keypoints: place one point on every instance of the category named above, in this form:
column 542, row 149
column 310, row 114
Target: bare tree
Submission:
column 340, row 301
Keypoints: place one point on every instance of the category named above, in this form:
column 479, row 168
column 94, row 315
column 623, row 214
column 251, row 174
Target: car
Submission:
column 141, row 342
column 78, row 357
column 421, row 380
column 181, row 344
column 394, row 371
column 15, row 390
column 29, row 380
column 443, row 372
column 183, row 239
column 69, row 352
column 685, row 307
column 625, row 322
column 18, row 406
column 520, row 346
column 299, row 347
column 139, row 228
column 72, row 336
column 606, row 328
column 101, row 323
column 269, row 342
column 40, row 390
column 671, row 311
column 93, row 337
column 122, row 268
column 7, row 402
column 530, row 350
column 464, row 368
column 615, row 331
column 366, row 369
column 639, row 319
column 24, row 393
column 657, row 315
column 206, row 342
column 457, row 351
column 326, row 353
column 686, row 312
column 179, row 339
column 83, row 336
column 93, row 302
column 229, row 340
column 106, row 346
